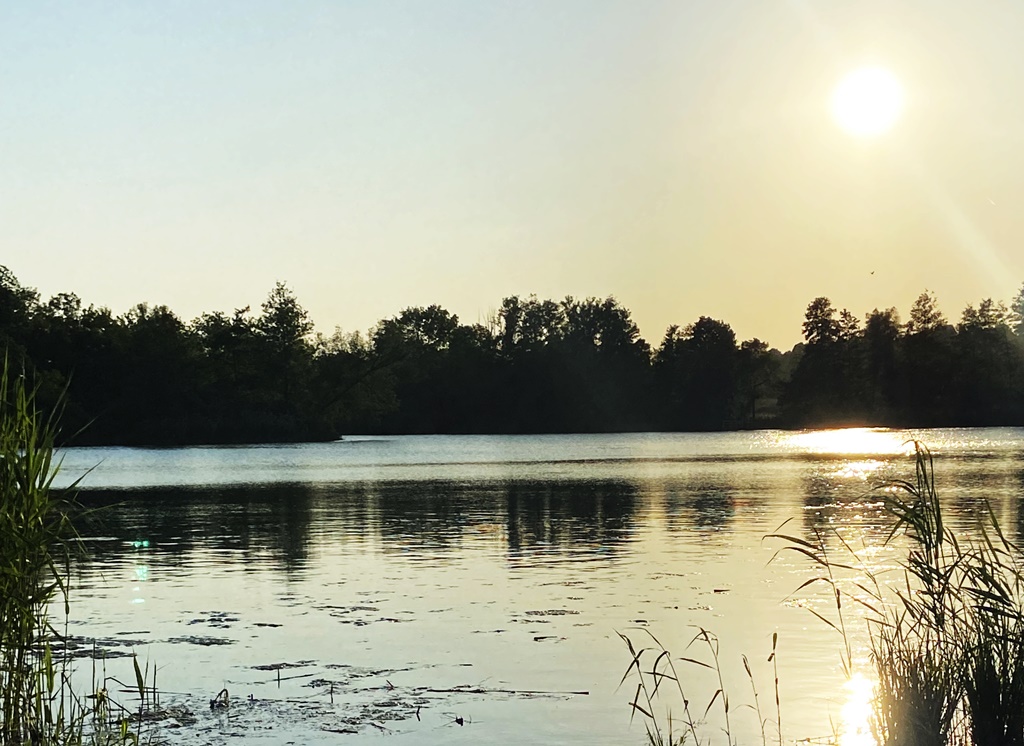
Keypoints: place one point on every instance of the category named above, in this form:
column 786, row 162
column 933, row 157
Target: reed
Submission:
column 659, row 687
column 947, row 640
column 34, row 529
column 37, row 700
column 954, row 639
column 654, row 669
column 992, row 642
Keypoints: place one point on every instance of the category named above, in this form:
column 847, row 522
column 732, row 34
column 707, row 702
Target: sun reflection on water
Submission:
column 858, row 469
column 851, row 440
column 856, row 713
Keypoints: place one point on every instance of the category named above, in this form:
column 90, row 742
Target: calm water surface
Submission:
column 395, row 587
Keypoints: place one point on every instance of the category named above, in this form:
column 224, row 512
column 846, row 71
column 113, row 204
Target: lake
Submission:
column 471, row 589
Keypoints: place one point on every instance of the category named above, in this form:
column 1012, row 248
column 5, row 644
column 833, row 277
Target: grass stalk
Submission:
column 948, row 640
column 38, row 704
column 34, row 556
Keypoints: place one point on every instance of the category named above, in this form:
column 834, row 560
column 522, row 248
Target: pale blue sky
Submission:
column 377, row 155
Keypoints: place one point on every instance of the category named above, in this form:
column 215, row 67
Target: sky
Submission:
column 680, row 156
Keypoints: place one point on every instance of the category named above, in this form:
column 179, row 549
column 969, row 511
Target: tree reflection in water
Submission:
column 279, row 523
column 178, row 522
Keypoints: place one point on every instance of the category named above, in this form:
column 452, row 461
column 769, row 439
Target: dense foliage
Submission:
column 148, row 377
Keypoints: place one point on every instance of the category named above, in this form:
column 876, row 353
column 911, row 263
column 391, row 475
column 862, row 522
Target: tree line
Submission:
column 148, row 377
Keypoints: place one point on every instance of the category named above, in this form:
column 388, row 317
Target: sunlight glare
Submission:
column 852, row 441
column 856, row 712
column 861, row 470
column 867, row 102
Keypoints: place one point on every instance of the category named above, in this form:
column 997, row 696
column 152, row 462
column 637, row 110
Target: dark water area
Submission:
column 277, row 522
column 397, row 586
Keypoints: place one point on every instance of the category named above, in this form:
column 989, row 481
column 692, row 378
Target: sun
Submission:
column 867, row 102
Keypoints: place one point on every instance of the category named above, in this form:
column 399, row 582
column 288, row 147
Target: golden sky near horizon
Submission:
column 683, row 157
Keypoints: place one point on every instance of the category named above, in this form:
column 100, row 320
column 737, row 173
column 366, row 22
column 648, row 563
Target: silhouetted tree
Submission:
column 526, row 326
column 528, row 333
column 881, row 365
column 697, row 368
column 416, row 345
column 927, row 396
column 827, row 385
column 235, row 376
column 988, row 315
column 17, row 306
column 285, row 358
column 578, row 365
column 353, row 387
column 925, row 315
column 539, row 366
column 1017, row 308
column 820, row 323
column 283, row 330
column 988, row 366
column 601, row 361
column 156, row 376
column 758, row 376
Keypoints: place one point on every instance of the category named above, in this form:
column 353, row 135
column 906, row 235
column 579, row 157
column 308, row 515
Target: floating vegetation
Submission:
column 216, row 619
column 279, row 666
column 203, row 640
column 363, row 615
column 317, row 697
column 74, row 646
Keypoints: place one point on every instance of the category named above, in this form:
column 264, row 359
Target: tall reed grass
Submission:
column 659, row 682
column 946, row 634
column 34, row 534
column 40, row 707
column 947, row 637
